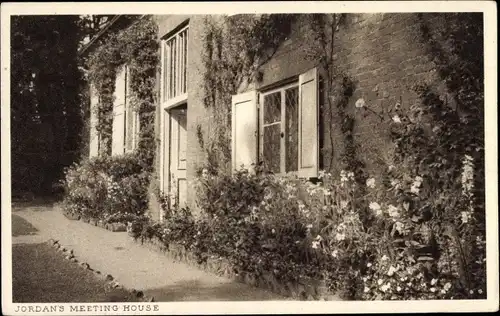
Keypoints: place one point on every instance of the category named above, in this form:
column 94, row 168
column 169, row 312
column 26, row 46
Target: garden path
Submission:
column 132, row 265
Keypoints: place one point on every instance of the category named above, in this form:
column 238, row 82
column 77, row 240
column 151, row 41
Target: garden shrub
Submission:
column 113, row 189
column 299, row 230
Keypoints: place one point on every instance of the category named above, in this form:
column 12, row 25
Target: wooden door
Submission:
column 178, row 146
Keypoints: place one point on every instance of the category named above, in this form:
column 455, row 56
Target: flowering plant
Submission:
column 103, row 187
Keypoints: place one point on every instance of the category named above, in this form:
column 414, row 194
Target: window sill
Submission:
column 178, row 100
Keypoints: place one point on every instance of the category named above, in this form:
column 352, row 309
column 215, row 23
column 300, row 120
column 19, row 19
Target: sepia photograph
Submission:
column 343, row 154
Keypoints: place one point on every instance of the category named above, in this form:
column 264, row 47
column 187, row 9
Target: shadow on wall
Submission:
column 197, row 291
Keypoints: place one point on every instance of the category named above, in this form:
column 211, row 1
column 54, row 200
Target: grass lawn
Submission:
column 21, row 227
column 40, row 274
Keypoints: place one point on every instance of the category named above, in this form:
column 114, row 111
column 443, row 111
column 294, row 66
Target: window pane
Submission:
column 174, row 67
column 292, row 128
column 170, row 69
column 272, row 108
column 184, row 66
column 271, row 144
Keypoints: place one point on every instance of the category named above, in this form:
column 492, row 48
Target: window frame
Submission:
column 282, row 88
column 131, row 132
column 166, row 101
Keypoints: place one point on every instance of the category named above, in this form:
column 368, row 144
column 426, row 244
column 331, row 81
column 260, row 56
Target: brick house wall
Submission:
column 383, row 54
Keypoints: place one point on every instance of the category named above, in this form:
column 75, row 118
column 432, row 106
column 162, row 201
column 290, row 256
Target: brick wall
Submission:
column 383, row 54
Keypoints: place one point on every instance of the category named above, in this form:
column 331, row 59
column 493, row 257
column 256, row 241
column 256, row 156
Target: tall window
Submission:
column 279, row 129
column 174, row 67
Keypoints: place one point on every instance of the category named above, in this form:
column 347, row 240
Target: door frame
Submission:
column 166, row 151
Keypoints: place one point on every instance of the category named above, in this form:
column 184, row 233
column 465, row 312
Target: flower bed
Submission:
column 107, row 189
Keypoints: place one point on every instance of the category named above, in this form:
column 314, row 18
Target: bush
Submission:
column 108, row 188
column 299, row 230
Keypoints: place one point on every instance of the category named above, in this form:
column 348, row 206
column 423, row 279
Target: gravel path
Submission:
column 134, row 266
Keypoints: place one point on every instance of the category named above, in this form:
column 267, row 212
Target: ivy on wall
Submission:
column 234, row 50
column 137, row 47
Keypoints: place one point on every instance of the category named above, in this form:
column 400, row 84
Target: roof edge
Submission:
column 99, row 34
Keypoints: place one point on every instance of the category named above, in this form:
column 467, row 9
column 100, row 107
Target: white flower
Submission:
column 393, row 211
column 335, row 253
column 396, row 119
column 391, row 167
column 365, row 279
column 414, row 190
column 374, row 206
column 434, row 281
column 465, row 216
column 385, row 287
column 360, row 103
column 447, row 286
column 273, row 231
column 467, row 176
column 480, row 291
column 367, row 289
column 339, row 237
column 315, row 244
column 391, row 271
column 394, row 182
column 321, row 174
column 384, row 258
column 400, row 227
column 204, row 173
column 369, row 264
column 370, row 183
column 433, row 289
column 380, row 281
column 327, row 192
column 398, row 289
column 309, row 226
column 350, row 175
column 319, row 238
column 343, row 204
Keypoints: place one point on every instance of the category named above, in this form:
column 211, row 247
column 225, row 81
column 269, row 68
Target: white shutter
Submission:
column 244, row 150
column 308, row 124
column 118, row 137
column 94, row 139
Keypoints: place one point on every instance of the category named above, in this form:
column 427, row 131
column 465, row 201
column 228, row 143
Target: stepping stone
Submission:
column 85, row 265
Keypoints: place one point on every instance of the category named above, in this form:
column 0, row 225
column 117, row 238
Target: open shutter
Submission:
column 129, row 115
column 94, row 138
column 118, row 137
column 244, row 123
column 308, row 124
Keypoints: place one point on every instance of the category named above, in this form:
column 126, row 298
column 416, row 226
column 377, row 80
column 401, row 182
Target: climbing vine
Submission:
column 137, row 48
column 234, row 50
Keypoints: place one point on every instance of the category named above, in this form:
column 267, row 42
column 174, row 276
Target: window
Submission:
column 131, row 117
column 125, row 117
column 174, row 52
column 173, row 122
column 279, row 128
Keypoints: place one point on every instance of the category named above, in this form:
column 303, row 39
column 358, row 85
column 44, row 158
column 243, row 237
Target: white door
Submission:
column 175, row 154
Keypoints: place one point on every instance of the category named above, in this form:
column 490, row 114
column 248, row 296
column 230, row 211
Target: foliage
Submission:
column 234, row 50
column 46, row 116
column 108, row 188
column 136, row 47
column 415, row 233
